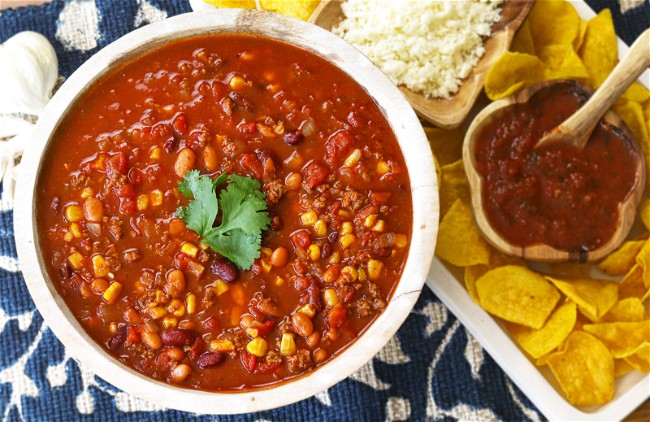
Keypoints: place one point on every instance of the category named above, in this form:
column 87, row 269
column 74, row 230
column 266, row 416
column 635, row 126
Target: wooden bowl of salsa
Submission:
column 226, row 212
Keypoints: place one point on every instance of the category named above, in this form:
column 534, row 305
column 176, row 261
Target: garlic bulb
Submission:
column 28, row 72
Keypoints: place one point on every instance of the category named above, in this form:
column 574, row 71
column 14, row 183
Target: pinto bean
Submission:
column 302, row 325
column 184, row 162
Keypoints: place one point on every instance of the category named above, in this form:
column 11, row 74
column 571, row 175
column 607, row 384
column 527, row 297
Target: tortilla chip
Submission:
column 585, row 370
column 570, row 269
column 622, row 259
column 577, row 43
column 644, row 212
column 593, row 297
column 630, row 309
column 512, row 72
column 632, row 284
column 447, row 145
column 237, row 4
column 518, row 295
column 553, row 22
column 301, row 9
column 562, row 62
column 459, row 240
column 453, row 186
column 621, row 367
column 523, row 41
column 621, row 338
column 599, row 51
column 472, row 274
column 640, row 360
column 556, row 329
column 643, row 259
column 637, row 93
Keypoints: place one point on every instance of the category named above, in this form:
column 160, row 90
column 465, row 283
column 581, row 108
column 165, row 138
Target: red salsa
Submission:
column 556, row 195
column 147, row 289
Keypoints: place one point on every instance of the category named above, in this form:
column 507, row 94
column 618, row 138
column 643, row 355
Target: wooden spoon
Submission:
column 449, row 113
column 543, row 252
column 577, row 128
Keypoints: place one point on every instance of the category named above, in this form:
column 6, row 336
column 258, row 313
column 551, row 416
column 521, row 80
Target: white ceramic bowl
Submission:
column 393, row 105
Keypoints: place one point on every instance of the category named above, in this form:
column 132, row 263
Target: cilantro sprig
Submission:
column 243, row 214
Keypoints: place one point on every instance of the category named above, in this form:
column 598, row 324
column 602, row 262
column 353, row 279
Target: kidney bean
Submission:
column 118, row 339
column 210, row 359
column 293, row 137
column 225, row 270
column 177, row 337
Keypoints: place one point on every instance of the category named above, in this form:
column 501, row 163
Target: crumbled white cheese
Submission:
column 430, row 46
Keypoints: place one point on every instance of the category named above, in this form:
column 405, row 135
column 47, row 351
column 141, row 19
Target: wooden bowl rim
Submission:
column 392, row 104
column 543, row 252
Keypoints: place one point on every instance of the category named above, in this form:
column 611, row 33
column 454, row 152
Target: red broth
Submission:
column 140, row 282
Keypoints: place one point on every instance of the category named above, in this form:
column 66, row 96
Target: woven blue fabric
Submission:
column 438, row 372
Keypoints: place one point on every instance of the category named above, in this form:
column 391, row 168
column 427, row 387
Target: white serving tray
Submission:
column 538, row 384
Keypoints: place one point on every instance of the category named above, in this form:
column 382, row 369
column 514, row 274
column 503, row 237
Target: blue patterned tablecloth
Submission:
column 432, row 369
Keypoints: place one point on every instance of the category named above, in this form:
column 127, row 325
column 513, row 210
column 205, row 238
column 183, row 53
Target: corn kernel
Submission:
column 314, row 252
column 195, row 268
column 75, row 260
column 157, row 312
column 100, row 267
column 267, row 252
column 361, row 274
column 190, row 303
column 279, row 128
column 68, row 236
column 349, row 274
column 346, row 228
column 169, row 322
column 266, row 265
column 308, row 310
column 309, row 218
column 288, row 345
column 380, row 226
column 353, row 158
column 143, row 202
column 113, row 328
column 330, row 298
column 258, row 347
column 176, row 307
column 335, row 258
column 344, row 213
column 382, row 168
column 156, row 198
column 221, row 287
column 190, row 249
column 370, row 220
column 155, row 153
column 237, row 82
column 160, row 297
column 87, row 193
column 73, row 213
column 279, row 281
column 401, row 241
column 113, row 292
column 347, row 240
column 374, row 268
column 320, row 227
column 75, row 229
column 221, row 346
column 253, row 332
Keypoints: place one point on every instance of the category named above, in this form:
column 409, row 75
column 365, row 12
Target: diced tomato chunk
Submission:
column 180, row 123
column 336, row 316
column 252, row 165
column 210, row 324
column 181, row 261
column 128, row 206
column 268, row 367
column 337, row 144
column 379, row 198
column 265, row 329
column 300, row 239
column 124, row 191
column 314, row 173
column 117, row 163
column 248, row 360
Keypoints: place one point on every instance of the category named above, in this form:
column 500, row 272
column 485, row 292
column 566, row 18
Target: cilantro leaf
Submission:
column 243, row 215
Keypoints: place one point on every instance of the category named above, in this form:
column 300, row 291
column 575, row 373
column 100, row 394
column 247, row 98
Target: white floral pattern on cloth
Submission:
column 431, row 370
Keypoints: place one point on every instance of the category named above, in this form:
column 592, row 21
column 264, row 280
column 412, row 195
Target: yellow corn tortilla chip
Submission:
column 570, row 269
column 585, row 370
column 593, row 297
column 553, row 22
column 644, row 212
column 599, row 51
column 622, row 259
column 301, row 9
column 643, row 259
column 459, row 240
column 621, row 338
column 447, row 145
column 630, row 309
column 621, row 367
column 637, row 93
column 577, row 43
column 632, row 114
column 512, row 72
column 640, row 359
column 562, row 62
column 239, row 4
column 632, row 284
column 453, row 186
column 523, row 41
column 518, row 295
column 472, row 274
column 556, row 329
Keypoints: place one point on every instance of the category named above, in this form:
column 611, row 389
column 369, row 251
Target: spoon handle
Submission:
column 580, row 125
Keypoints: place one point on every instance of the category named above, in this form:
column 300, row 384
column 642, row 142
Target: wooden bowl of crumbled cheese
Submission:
column 438, row 53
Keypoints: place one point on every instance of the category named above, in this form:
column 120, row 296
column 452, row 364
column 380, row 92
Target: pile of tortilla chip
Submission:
column 588, row 329
column 301, row 9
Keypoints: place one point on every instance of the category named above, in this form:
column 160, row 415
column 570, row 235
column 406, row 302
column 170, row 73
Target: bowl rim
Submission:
column 392, row 104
